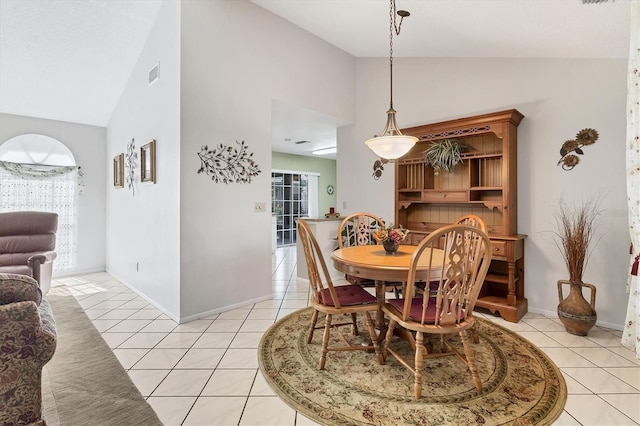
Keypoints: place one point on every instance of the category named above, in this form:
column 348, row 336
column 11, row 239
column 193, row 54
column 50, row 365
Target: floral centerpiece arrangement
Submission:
column 390, row 237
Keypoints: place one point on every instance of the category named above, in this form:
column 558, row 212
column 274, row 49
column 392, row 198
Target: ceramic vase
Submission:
column 577, row 315
column 390, row 247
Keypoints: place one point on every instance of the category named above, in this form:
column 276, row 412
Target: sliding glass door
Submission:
column 289, row 201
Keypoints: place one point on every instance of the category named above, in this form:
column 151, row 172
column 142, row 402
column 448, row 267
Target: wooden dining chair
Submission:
column 462, row 266
column 471, row 220
column 357, row 230
column 334, row 300
column 476, row 221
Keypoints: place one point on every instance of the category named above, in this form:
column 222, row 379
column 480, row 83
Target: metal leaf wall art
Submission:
column 583, row 138
column 378, row 167
column 131, row 164
column 228, row 164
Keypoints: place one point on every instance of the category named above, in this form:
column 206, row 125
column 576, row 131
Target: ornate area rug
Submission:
column 521, row 385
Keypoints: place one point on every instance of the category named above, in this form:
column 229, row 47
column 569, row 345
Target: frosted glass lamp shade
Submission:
column 391, row 147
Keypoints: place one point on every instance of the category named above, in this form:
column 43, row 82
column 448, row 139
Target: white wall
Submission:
column 237, row 58
column 558, row 97
column 87, row 143
column 143, row 242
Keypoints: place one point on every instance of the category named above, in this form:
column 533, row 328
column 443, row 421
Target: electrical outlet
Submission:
column 260, row 206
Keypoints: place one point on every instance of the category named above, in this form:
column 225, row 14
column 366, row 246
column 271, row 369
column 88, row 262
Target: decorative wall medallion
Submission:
column 228, row 164
column 330, row 189
column 378, row 168
column 131, row 163
column 583, row 138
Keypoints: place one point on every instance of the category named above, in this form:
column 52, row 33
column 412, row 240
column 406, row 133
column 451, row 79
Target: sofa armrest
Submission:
column 29, row 329
column 44, row 257
column 19, row 288
column 41, row 265
column 48, row 321
column 25, row 347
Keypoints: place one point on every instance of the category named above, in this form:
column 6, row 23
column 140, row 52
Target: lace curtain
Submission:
column 631, row 333
column 45, row 188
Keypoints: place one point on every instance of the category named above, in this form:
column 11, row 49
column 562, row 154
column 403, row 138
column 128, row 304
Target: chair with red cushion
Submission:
column 471, row 220
column 334, row 300
column 462, row 266
column 357, row 230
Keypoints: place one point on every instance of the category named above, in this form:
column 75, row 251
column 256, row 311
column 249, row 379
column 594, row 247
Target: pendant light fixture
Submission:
column 391, row 143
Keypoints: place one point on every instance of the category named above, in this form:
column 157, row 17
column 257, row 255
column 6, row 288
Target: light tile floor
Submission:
column 205, row 372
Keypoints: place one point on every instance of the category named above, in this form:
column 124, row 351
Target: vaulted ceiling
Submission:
column 69, row 60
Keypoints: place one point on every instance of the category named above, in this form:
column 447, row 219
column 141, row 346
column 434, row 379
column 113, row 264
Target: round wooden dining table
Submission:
column 372, row 262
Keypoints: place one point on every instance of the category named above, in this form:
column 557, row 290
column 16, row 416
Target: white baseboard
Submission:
column 182, row 320
column 144, row 296
column 554, row 314
column 71, row 273
column 226, row 308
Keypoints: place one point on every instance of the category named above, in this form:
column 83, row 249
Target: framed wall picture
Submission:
column 118, row 171
column 148, row 162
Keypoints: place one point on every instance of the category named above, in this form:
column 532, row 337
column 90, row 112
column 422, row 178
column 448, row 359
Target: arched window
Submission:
column 39, row 173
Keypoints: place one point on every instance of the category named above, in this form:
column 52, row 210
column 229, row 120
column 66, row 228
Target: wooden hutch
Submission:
column 484, row 184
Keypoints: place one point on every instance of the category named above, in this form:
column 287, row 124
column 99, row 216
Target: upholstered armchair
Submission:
column 27, row 343
column 27, row 243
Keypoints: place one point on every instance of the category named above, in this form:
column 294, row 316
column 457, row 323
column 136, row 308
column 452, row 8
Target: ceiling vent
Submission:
column 301, row 142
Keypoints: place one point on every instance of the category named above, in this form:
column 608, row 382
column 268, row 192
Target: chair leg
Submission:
column 354, row 324
column 374, row 336
column 471, row 361
column 396, row 292
column 474, row 333
column 417, row 387
column 325, row 341
column 387, row 340
column 314, row 320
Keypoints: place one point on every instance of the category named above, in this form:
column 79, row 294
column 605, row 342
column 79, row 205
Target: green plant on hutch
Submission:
column 444, row 155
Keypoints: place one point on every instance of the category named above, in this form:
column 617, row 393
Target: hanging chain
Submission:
column 393, row 28
column 392, row 24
